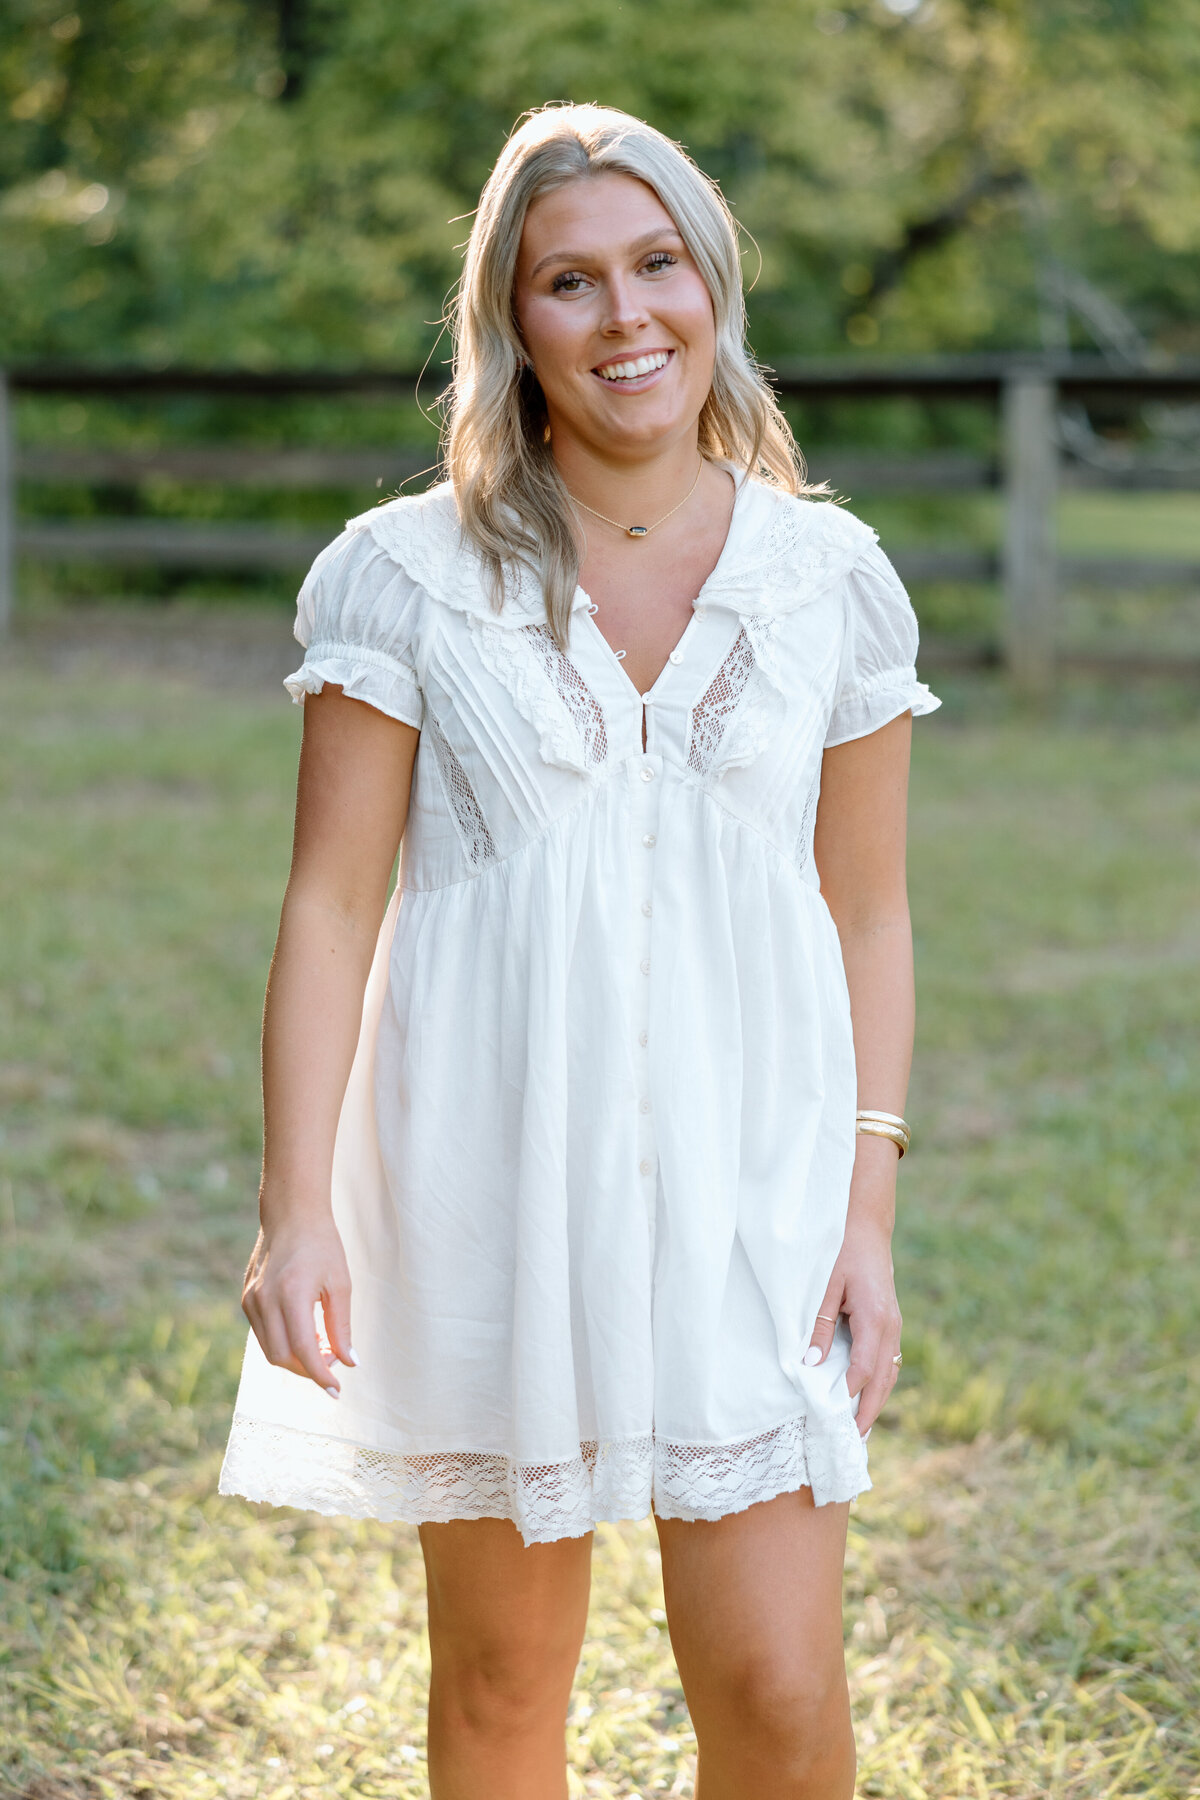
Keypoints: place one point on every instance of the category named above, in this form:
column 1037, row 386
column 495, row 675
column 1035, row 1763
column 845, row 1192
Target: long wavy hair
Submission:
column 511, row 500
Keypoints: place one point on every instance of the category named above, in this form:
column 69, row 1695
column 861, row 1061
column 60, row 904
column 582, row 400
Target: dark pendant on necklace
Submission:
column 636, row 530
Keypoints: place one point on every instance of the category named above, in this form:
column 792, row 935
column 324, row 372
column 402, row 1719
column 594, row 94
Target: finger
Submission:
column 305, row 1347
column 875, row 1395
column 883, row 1377
column 271, row 1332
column 866, row 1343
column 825, row 1323
column 335, row 1304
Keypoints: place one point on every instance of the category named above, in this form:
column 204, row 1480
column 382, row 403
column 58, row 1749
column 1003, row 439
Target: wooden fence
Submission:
column 1033, row 465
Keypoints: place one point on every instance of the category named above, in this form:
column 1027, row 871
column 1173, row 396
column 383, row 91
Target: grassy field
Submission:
column 1023, row 1615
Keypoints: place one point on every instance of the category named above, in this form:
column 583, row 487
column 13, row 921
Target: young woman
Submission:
column 577, row 1125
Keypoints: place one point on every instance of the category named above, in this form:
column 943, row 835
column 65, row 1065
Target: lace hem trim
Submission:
column 619, row 1479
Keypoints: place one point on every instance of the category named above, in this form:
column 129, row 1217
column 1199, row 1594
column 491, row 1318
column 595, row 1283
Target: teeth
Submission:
column 630, row 371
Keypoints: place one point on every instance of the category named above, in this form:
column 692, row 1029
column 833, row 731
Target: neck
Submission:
column 633, row 490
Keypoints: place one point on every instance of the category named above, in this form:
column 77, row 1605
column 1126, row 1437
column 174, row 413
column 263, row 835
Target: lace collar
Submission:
column 780, row 553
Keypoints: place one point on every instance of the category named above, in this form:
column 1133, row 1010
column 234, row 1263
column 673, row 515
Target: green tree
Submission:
column 209, row 181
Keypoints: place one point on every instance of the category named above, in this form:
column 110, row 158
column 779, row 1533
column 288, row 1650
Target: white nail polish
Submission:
column 352, row 1353
column 332, row 1392
column 812, row 1356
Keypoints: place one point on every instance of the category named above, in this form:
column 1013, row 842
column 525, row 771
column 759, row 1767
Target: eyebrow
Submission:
column 580, row 256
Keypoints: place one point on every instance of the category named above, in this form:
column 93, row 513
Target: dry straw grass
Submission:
column 1022, row 1603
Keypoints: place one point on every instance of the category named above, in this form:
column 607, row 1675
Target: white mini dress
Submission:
column 592, row 1166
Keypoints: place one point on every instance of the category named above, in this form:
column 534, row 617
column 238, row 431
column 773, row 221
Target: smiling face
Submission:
column 615, row 316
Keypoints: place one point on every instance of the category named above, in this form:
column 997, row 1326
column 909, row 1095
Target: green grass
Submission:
column 1022, row 1614
column 1161, row 620
column 1089, row 524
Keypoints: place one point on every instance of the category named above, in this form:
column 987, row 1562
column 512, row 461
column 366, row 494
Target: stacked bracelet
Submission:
column 884, row 1125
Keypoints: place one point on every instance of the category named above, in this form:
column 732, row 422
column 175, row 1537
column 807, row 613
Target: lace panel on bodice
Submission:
column 465, row 809
column 573, row 691
column 549, row 692
column 718, row 704
column 804, row 837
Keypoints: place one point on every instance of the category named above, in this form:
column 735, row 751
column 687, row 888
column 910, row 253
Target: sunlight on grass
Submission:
column 1021, row 1616
column 1089, row 524
column 1130, row 524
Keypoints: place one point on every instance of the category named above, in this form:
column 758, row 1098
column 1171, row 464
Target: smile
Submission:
column 632, row 369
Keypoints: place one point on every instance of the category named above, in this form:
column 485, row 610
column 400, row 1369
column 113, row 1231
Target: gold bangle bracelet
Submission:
column 865, row 1129
column 885, row 1125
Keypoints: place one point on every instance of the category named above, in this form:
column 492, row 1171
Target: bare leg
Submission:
column 506, row 1625
column 754, row 1606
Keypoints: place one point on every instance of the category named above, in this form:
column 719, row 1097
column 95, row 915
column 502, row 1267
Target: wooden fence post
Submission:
column 8, row 510
column 1030, row 547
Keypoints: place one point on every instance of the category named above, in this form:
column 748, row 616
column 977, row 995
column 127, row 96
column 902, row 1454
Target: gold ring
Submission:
column 898, row 1360
column 827, row 1318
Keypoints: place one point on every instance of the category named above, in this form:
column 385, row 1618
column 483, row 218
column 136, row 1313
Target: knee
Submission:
column 795, row 1720
column 502, row 1691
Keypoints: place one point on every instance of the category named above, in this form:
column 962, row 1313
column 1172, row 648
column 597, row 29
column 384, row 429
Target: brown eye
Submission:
column 567, row 283
column 660, row 260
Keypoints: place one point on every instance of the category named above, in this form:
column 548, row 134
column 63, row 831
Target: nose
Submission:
column 626, row 307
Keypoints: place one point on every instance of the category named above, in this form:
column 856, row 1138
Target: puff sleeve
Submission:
column 877, row 680
column 357, row 617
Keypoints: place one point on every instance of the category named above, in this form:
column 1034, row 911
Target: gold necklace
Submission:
column 641, row 531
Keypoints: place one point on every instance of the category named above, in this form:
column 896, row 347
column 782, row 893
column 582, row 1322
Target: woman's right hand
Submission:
column 291, row 1268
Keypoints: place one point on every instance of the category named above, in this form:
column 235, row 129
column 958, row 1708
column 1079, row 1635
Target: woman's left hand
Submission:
column 863, row 1287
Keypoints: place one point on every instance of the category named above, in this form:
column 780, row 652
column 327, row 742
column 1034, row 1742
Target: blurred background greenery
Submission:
column 211, row 181
column 215, row 183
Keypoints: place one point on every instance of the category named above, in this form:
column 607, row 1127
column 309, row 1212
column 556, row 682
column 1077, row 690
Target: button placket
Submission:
column 646, row 783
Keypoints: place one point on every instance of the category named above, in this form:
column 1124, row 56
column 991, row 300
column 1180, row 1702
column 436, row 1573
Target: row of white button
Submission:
column 647, row 1164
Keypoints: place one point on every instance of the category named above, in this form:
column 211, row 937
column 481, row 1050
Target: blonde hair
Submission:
column 511, row 500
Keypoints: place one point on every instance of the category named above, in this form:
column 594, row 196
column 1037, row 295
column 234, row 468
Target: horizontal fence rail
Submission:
column 929, row 378
column 232, row 465
column 1033, row 467
column 235, row 466
column 172, row 544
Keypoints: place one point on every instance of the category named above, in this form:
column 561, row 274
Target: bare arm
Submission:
column 860, row 853
column 351, row 804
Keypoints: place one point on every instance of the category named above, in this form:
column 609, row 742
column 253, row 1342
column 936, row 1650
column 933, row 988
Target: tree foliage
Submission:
column 221, row 181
